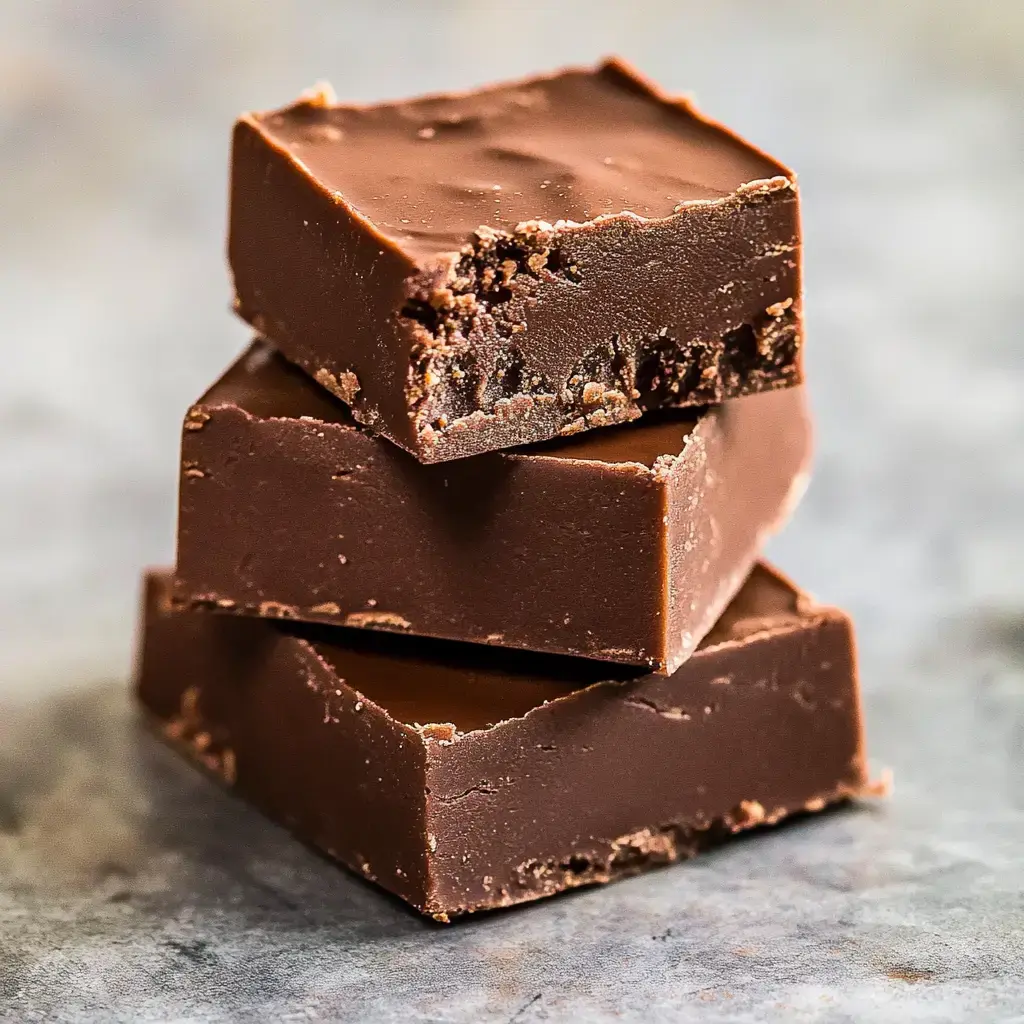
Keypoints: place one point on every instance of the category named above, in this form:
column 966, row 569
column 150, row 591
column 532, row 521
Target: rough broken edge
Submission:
column 650, row 848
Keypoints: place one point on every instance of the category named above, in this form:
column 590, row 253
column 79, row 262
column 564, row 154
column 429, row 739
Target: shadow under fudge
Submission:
column 481, row 270
column 624, row 544
column 462, row 778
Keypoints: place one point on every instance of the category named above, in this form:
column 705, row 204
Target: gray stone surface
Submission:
column 133, row 890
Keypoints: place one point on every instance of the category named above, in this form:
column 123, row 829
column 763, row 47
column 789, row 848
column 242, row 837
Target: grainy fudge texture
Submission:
column 463, row 778
column 481, row 270
column 623, row 544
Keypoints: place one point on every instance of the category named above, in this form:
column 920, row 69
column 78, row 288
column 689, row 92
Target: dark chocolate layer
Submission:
column 623, row 545
column 462, row 778
column 486, row 269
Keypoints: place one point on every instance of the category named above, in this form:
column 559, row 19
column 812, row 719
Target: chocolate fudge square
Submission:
column 464, row 778
column 623, row 544
column 480, row 270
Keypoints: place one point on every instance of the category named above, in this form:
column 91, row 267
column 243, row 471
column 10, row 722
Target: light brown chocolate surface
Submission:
column 492, row 268
column 623, row 545
column 464, row 778
column 573, row 146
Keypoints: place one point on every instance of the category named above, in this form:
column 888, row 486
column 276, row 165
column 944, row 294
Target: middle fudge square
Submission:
column 481, row 270
column 623, row 544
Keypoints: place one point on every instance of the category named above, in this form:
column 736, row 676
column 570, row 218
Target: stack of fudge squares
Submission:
column 469, row 592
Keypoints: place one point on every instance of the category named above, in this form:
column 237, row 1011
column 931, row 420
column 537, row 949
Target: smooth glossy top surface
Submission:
column 642, row 442
column 570, row 146
column 267, row 386
column 420, row 682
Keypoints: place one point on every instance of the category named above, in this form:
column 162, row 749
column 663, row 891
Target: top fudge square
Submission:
column 480, row 270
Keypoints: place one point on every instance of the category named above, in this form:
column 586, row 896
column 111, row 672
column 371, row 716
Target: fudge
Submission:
column 463, row 778
column 480, row 270
column 623, row 544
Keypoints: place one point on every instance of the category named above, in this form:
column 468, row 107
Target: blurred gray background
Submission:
column 130, row 889
column 902, row 119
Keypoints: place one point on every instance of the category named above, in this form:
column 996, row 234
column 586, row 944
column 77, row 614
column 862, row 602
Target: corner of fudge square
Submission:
column 530, row 259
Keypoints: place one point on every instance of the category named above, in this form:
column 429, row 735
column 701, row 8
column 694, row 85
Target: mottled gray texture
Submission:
column 131, row 889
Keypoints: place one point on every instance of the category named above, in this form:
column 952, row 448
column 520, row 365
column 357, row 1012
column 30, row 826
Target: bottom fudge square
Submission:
column 623, row 544
column 464, row 778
